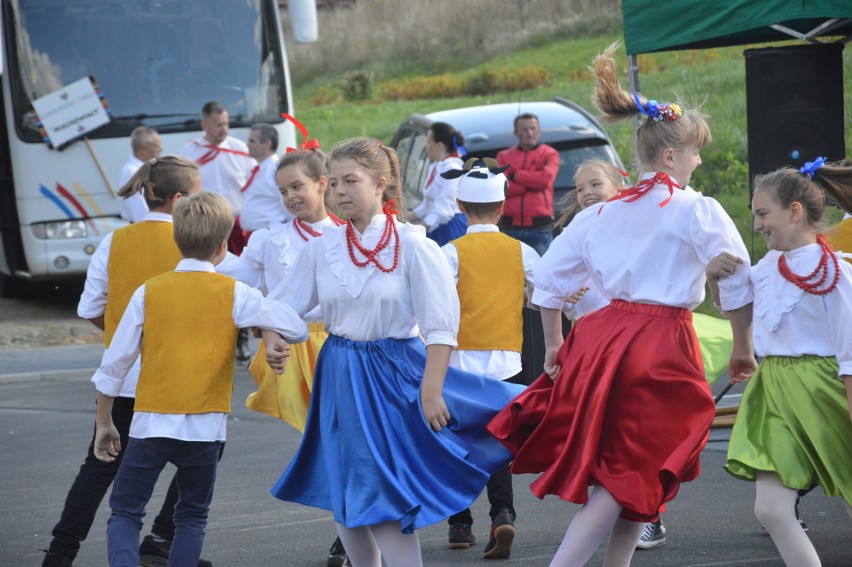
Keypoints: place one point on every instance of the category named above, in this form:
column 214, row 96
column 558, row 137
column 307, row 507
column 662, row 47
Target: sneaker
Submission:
column 654, row 535
column 53, row 559
column 156, row 554
column 336, row 555
column 460, row 536
column 501, row 536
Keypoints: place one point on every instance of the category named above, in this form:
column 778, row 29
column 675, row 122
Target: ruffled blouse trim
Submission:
column 773, row 295
column 352, row 277
column 280, row 236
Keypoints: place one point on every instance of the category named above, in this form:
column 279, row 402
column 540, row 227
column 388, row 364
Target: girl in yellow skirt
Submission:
column 302, row 177
column 793, row 428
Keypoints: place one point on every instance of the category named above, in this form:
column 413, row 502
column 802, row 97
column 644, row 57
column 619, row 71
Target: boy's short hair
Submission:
column 481, row 209
column 201, row 222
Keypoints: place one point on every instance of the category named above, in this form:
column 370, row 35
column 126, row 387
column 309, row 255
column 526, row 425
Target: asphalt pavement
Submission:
column 46, row 419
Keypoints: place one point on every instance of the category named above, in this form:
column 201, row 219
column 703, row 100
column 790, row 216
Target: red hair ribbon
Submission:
column 307, row 144
column 390, row 208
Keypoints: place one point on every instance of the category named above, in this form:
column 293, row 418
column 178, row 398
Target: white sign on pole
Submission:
column 71, row 112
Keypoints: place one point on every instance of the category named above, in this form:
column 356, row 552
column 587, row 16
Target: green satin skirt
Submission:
column 794, row 421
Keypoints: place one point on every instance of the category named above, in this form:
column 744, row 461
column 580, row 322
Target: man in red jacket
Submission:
column 528, row 213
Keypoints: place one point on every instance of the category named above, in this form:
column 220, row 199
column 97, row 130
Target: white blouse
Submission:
column 439, row 195
column 270, row 255
column 366, row 304
column 641, row 252
column 790, row 322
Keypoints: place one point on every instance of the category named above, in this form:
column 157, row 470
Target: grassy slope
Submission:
column 717, row 74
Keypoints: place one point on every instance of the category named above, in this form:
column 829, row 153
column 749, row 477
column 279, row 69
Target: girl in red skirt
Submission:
column 631, row 371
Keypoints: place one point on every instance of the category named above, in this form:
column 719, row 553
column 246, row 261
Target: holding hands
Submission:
column 722, row 266
column 107, row 442
column 277, row 350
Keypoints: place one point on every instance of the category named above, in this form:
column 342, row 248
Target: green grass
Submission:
column 717, row 75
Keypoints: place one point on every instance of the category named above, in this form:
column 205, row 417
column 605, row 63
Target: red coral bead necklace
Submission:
column 811, row 283
column 389, row 233
column 304, row 229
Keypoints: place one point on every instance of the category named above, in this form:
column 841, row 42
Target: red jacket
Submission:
column 531, row 174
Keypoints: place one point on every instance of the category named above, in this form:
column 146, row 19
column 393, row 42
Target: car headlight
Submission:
column 60, row 229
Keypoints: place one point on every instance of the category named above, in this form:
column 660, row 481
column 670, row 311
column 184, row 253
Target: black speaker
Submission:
column 794, row 104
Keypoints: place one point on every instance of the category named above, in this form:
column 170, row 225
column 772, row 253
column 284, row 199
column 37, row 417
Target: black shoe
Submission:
column 461, row 537
column 53, row 559
column 156, row 554
column 336, row 555
column 501, row 536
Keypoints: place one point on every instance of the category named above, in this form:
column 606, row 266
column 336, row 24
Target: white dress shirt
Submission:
column 134, row 207
column 790, row 322
column 366, row 304
column 641, row 252
column 439, row 195
column 500, row 364
column 250, row 309
column 94, row 297
column 269, row 257
column 263, row 205
column 227, row 173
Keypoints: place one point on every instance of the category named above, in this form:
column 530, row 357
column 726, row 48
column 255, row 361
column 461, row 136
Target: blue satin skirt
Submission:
column 456, row 228
column 368, row 453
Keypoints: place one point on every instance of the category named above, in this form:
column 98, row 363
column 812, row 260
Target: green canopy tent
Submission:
column 667, row 25
column 670, row 25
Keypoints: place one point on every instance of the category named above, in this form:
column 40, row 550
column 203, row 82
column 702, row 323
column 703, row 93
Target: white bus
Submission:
column 157, row 62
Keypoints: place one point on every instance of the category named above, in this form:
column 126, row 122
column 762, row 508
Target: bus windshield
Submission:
column 156, row 61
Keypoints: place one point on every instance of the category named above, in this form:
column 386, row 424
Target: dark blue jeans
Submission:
column 91, row 485
column 538, row 238
column 143, row 461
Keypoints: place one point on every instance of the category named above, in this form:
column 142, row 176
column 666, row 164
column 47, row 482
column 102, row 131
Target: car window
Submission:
column 570, row 159
column 411, row 150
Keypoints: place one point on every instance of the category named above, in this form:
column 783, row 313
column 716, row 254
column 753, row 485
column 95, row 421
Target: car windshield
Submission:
column 156, row 61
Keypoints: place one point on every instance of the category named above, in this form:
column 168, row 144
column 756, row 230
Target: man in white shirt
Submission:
column 224, row 162
column 263, row 205
column 146, row 145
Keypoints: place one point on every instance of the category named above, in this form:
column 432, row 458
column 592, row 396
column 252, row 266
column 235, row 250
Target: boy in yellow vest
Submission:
column 185, row 324
column 122, row 262
column 491, row 272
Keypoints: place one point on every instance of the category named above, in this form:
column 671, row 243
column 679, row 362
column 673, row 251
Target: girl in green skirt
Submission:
column 793, row 428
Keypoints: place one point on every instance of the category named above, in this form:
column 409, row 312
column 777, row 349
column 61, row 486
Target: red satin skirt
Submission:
column 630, row 411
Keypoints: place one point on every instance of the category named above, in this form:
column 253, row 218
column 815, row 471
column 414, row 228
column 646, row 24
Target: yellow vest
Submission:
column 137, row 253
column 188, row 344
column 840, row 236
column 491, row 292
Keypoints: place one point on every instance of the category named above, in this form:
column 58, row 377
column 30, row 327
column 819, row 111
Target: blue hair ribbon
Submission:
column 651, row 109
column 810, row 167
column 461, row 150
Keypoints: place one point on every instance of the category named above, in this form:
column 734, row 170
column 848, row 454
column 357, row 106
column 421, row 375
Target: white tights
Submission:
column 586, row 531
column 775, row 507
column 368, row 545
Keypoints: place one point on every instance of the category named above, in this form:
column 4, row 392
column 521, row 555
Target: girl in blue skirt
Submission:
column 393, row 441
column 439, row 211
column 793, row 428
